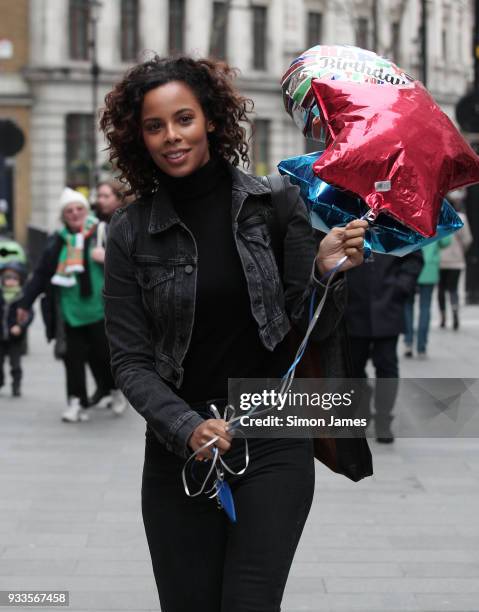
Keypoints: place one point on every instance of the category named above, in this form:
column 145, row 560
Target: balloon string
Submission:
column 328, row 276
column 286, row 383
column 288, row 378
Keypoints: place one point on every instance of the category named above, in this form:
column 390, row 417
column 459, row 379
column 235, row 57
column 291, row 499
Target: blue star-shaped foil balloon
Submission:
column 330, row 207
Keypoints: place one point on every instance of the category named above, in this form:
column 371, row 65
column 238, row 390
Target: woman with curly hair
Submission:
column 194, row 296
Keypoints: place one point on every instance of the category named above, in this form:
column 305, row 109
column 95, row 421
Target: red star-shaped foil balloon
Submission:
column 395, row 148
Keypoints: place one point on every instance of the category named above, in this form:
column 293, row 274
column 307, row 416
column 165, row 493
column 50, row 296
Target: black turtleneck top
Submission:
column 225, row 340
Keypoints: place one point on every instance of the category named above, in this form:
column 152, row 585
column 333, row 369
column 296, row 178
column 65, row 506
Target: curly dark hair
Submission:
column 212, row 83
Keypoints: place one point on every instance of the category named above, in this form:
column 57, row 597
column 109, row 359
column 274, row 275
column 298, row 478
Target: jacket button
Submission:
column 249, row 268
column 188, row 269
column 257, row 301
column 146, row 278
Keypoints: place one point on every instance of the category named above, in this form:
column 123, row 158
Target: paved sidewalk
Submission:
column 405, row 540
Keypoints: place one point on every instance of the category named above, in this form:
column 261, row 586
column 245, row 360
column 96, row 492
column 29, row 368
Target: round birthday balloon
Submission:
column 332, row 62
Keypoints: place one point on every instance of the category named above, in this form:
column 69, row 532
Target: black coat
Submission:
column 40, row 283
column 377, row 292
column 8, row 312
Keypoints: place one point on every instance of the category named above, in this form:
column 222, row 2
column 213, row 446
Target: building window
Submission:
column 218, row 30
column 396, row 42
column 259, row 37
column 79, row 149
column 129, row 30
column 176, row 26
column 362, row 33
column 444, row 44
column 261, row 146
column 314, row 31
column 460, row 24
column 79, row 14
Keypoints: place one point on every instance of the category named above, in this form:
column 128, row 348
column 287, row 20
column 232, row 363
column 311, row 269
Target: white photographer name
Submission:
column 295, row 421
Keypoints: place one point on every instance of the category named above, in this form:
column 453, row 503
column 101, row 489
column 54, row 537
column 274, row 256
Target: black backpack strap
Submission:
column 282, row 210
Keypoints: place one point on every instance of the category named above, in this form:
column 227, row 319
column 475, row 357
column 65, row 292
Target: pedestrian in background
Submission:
column 377, row 292
column 110, row 197
column 12, row 340
column 72, row 282
column 426, row 282
column 453, row 261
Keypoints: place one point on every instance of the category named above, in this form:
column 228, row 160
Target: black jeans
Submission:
column 383, row 352
column 87, row 344
column 13, row 349
column 448, row 282
column 204, row 563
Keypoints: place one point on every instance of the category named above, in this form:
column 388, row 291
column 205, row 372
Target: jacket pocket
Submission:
column 257, row 240
column 156, row 284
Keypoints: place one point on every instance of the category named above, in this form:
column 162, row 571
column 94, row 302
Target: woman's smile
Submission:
column 176, row 158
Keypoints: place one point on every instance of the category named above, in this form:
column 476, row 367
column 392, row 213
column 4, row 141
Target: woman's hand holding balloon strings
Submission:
column 210, row 429
column 342, row 242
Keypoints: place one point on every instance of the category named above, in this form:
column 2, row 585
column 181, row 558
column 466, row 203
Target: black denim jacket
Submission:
column 150, row 287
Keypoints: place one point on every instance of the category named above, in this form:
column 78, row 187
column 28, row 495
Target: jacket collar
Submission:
column 163, row 214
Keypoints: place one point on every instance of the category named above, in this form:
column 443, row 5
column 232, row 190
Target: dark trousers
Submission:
column 201, row 560
column 13, row 349
column 383, row 352
column 425, row 297
column 448, row 282
column 87, row 344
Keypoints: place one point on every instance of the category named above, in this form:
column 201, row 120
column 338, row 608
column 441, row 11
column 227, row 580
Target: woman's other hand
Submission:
column 205, row 432
column 16, row 330
column 22, row 316
column 339, row 242
column 98, row 254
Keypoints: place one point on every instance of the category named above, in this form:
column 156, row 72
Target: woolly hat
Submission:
column 70, row 195
column 17, row 266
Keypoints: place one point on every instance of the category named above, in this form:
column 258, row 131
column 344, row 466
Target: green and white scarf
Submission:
column 70, row 261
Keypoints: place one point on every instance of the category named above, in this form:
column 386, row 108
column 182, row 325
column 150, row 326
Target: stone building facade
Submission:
column 15, row 105
column 260, row 37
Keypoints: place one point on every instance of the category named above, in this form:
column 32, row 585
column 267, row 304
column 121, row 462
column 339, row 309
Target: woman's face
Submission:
column 175, row 129
column 74, row 216
column 107, row 200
